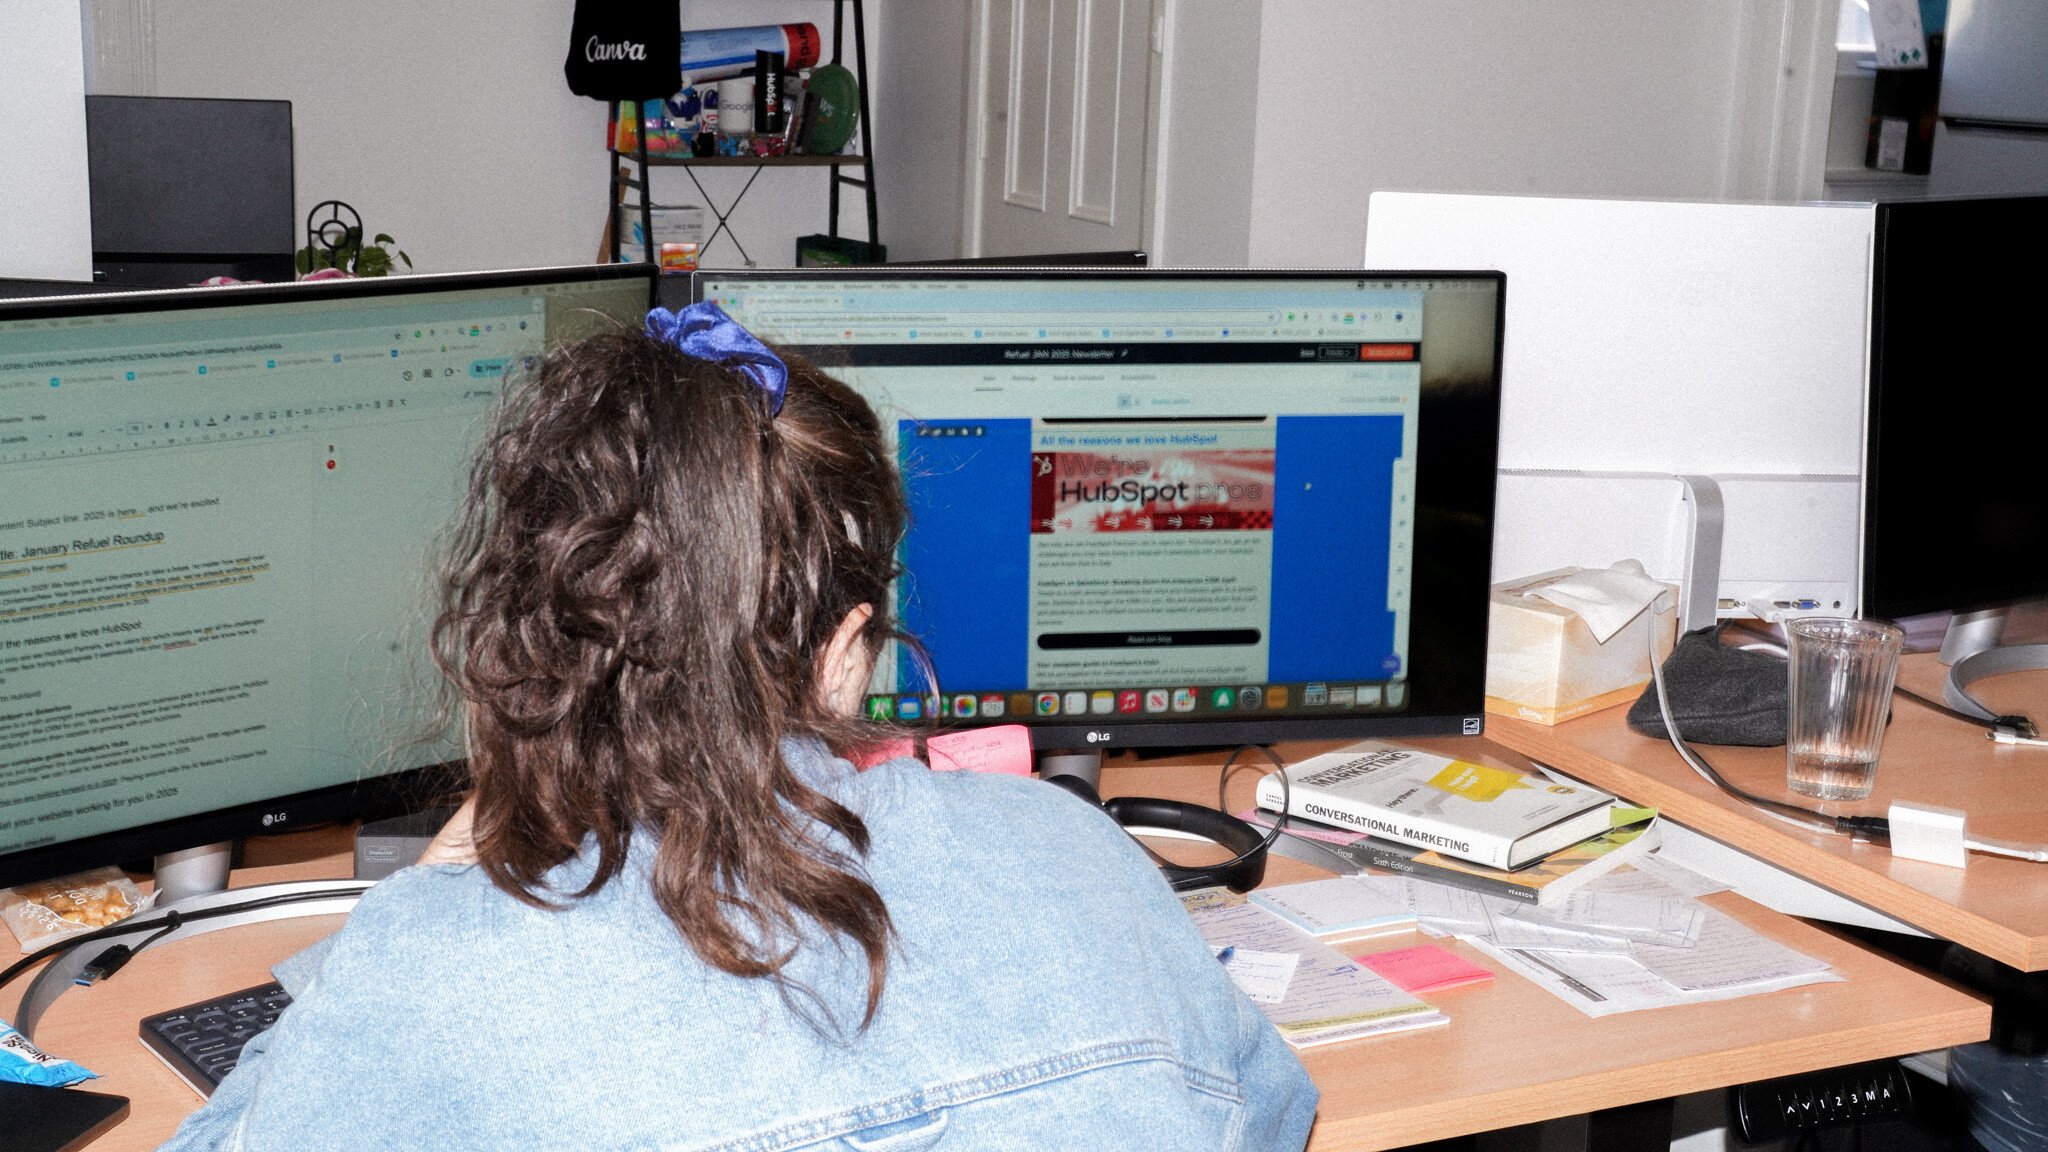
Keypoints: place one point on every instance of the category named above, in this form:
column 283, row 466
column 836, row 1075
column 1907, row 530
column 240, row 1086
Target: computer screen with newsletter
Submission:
column 218, row 516
column 1173, row 508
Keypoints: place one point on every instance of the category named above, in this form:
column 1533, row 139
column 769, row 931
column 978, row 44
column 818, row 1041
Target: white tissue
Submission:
column 1605, row 598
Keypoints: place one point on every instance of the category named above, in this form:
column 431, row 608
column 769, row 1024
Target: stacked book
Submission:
column 1491, row 830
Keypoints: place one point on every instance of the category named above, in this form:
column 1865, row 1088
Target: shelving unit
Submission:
column 846, row 170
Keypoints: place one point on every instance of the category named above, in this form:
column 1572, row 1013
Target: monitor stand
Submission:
column 273, row 902
column 1085, row 763
column 1972, row 651
column 193, row 872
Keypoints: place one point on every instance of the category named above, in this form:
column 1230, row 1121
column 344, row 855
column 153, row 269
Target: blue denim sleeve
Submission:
column 217, row 1124
column 1279, row 1098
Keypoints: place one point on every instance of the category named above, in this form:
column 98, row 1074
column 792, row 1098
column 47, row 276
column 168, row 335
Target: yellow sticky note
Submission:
column 1476, row 781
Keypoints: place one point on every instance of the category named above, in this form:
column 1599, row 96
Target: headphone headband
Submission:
column 1248, row 846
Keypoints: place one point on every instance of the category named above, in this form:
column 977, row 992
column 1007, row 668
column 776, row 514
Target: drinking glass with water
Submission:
column 1841, row 688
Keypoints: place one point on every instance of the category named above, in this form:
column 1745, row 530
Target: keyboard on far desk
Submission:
column 202, row 1042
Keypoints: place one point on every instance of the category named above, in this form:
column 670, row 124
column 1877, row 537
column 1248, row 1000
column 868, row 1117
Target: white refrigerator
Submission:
column 1992, row 138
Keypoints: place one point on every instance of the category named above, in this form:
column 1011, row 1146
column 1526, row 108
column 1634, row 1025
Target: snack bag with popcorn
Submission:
column 53, row 909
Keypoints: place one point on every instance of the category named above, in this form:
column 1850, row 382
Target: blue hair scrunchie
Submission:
column 705, row 332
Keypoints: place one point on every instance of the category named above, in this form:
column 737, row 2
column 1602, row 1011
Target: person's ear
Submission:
column 848, row 664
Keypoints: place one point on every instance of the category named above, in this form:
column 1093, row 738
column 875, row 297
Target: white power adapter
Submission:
column 1924, row 832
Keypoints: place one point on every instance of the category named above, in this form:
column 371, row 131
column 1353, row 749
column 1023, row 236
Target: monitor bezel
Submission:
column 367, row 797
column 1457, row 708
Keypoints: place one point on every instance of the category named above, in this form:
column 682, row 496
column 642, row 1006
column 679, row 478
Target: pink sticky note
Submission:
column 867, row 758
column 1004, row 748
column 1424, row 968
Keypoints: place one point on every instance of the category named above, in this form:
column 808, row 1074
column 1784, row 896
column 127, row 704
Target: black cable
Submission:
column 104, row 965
column 2016, row 724
column 1875, row 827
column 135, row 924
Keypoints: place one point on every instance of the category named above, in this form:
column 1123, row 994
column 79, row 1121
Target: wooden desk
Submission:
column 97, row 1026
column 1511, row 1055
column 1997, row 906
column 1514, row 1054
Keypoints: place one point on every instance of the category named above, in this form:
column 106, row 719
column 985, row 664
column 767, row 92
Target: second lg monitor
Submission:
column 1174, row 508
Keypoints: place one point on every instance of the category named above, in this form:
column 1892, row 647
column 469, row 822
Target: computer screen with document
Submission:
column 217, row 515
column 1173, row 508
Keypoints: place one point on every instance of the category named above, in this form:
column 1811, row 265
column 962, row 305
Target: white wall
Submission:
column 1637, row 98
column 45, row 230
column 449, row 125
column 1207, row 130
column 921, row 115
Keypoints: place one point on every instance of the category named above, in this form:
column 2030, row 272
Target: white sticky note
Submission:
column 1263, row 976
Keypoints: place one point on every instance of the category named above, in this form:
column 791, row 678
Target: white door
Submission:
column 1062, row 87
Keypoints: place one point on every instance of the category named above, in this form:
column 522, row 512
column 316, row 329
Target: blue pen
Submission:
column 1224, row 956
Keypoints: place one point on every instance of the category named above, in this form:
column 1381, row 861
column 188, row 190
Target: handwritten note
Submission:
column 1005, row 748
column 1727, row 955
column 1726, row 960
column 1329, row 997
column 1263, row 976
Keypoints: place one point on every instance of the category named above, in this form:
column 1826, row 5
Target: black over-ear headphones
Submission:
column 1241, row 873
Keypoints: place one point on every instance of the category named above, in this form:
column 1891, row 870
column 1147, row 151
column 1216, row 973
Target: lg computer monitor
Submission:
column 218, row 514
column 1167, row 508
column 1955, row 511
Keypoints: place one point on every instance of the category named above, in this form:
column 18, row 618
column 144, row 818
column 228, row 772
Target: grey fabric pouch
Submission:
column 1719, row 695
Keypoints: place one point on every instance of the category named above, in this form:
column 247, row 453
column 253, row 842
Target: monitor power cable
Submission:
column 1868, row 827
column 1872, row 827
column 161, row 926
column 2012, row 728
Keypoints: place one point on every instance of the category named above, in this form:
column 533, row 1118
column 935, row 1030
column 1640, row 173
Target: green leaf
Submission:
column 373, row 262
column 404, row 257
column 384, row 238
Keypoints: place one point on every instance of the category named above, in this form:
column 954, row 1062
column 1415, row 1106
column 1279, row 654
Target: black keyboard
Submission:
column 203, row 1042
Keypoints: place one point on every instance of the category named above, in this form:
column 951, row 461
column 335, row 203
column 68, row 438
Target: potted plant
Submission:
column 334, row 245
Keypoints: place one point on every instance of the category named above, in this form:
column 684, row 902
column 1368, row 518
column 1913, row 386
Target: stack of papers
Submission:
column 1628, row 941
column 1337, row 910
column 1311, row 992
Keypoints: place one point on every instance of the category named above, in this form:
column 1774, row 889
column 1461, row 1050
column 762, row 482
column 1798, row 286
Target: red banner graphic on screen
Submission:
column 1185, row 490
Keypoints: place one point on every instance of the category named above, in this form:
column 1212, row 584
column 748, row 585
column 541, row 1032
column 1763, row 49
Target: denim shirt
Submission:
column 1045, row 991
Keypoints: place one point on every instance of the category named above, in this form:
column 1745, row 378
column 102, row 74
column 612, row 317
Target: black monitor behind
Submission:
column 674, row 291
column 122, row 271
column 184, row 190
column 23, row 289
column 1109, row 259
column 1954, row 513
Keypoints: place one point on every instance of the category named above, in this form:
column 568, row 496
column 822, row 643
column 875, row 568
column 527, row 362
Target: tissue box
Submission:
column 1544, row 664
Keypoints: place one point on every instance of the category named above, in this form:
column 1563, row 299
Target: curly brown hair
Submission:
column 636, row 606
